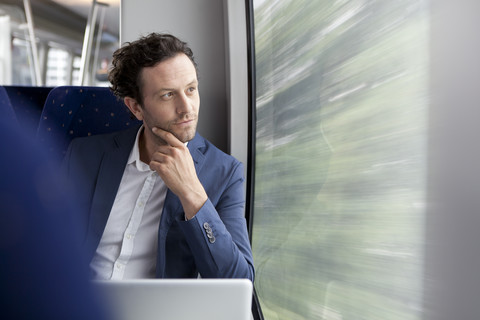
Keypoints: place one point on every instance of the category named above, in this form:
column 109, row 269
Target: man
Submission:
column 160, row 200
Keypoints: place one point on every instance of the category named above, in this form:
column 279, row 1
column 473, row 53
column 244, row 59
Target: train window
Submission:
column 15, row 54
column 58, row 67
column 22, row 72
column 77, row 62
column 58, row 29
column 340, row 164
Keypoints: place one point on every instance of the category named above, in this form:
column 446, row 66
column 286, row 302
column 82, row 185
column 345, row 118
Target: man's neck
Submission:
column 147, row 145
column 145, row 155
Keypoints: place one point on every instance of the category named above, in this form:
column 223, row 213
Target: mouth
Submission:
column 184, row 122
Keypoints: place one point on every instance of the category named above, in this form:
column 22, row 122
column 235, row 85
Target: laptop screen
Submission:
column 165, row 299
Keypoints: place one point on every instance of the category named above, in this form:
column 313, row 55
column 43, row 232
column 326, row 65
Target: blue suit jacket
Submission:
column 94, row 167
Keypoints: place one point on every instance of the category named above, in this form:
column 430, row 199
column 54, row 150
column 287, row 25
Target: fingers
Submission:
column 160, row 164
column 164, row 160
column 174, row 151
column 166, row 153
column 168, row 137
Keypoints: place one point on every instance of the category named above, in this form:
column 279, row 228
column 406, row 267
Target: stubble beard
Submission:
column 184, row 135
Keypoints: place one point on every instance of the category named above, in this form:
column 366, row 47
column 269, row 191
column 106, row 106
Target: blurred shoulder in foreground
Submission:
column 42, row 271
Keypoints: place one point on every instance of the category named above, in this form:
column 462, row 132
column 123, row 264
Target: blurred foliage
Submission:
column 340, row 158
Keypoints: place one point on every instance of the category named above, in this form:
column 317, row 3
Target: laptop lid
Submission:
column 179, row 299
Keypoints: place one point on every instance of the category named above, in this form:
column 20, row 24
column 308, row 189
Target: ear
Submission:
column 134, row 107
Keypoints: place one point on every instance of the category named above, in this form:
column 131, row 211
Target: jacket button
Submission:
column 212, row 239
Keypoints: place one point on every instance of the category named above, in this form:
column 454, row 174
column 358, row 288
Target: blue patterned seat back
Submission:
column 72, row 111
column 6, row 109
column 27, row 103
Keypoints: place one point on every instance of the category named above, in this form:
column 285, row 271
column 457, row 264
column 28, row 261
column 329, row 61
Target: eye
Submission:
column 191, row 89
column 167, row 95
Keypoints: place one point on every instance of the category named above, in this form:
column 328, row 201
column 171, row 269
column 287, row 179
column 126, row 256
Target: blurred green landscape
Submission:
column 341, row 120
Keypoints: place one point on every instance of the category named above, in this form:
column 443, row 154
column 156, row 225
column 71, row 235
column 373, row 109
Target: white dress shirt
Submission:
column 128, row 247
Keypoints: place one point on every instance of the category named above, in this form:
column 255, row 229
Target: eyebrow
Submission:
column 193, row 82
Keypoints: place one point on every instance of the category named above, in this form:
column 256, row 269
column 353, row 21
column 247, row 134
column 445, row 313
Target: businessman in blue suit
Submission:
column 160, row 200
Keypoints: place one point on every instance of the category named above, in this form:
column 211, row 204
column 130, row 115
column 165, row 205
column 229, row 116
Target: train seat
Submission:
column 27, row 103
column 78, row 111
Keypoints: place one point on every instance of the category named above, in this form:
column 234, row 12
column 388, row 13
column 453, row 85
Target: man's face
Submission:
column 170, row 98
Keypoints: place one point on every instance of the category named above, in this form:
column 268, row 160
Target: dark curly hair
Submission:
column 132, row 57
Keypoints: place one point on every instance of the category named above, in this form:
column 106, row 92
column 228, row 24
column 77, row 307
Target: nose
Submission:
column 184, row 104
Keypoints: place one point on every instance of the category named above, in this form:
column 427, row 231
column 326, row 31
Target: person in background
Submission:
column 159, row 200
column 43, row 273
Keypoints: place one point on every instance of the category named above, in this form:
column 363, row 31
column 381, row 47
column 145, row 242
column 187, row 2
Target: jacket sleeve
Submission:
column 218, row 235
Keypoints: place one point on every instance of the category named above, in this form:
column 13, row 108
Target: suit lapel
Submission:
column 172, row 209
column 110, row 174
column 196, row 147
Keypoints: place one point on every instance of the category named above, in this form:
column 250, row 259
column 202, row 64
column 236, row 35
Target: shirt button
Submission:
column 129, row 236
column 119, row 266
